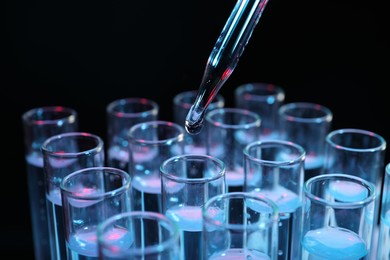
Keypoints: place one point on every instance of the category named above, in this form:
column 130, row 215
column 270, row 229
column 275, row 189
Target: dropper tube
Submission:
column 224, row 58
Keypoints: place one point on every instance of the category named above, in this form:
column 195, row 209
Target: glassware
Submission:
column 264, row 99
column 338, row 217
column 307, row 124
column 360, row 153
column 182, row 103
column 90, row 196
column 62, row 155
column 121, row 115
column 120, row 238
column 252, row 234
column 224, row 57
column 151, row 143
column 383, row 251
column 275, row 169
column 39, row 124
column 188, row 181
column 229, row 130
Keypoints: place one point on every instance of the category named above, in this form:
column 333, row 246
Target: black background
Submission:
column 85, row 54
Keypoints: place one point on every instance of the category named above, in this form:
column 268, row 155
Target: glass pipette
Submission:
column 224, row 58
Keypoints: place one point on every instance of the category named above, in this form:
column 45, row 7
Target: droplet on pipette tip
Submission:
column 194, row 128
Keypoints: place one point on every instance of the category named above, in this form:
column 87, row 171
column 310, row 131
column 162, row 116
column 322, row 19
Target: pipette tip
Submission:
column 194, row 128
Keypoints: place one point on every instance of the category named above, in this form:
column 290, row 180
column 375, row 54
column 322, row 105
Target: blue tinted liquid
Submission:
column 147, row 197
column 290, row 222
column 313, row 166
column 82, row 245
column 118, row 157
column 38, row 211
column 189, row 221
column 333, row 243
column 384, row 237
column 347, row 191
column 56, row 226
column 117, row 241
column 147, row 193
column 235, row 180
column 236, row 254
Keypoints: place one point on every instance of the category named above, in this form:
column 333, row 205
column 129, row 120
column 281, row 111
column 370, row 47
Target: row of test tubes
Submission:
column 261, row 161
